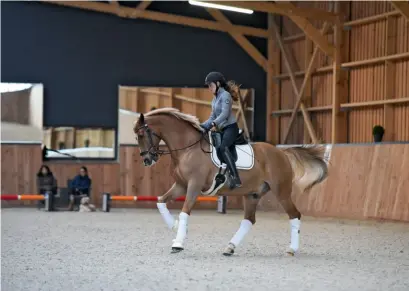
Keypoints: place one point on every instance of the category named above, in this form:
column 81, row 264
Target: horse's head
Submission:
column 148, row 141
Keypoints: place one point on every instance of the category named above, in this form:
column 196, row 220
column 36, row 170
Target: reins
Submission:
column 157, row 151
column 162, row 152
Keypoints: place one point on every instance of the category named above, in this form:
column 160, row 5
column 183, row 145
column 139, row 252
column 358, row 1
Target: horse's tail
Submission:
column 309, row 165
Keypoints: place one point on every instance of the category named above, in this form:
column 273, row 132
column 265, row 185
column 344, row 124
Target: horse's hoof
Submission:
column 291, row 252
column 176, row 250
column 177, row 247
column 229, row 251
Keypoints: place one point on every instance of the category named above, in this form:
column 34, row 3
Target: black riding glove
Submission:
column 206, row 129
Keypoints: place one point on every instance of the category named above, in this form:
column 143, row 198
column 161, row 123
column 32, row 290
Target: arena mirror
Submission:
column 21, row 113
column 82, row 143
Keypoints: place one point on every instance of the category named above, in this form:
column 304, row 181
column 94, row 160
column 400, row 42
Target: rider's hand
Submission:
column 204, row 128
column 213, row 128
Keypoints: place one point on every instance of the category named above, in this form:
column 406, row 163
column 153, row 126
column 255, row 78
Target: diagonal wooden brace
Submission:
column 305, row 113
column 240, row 39
column 324, row 30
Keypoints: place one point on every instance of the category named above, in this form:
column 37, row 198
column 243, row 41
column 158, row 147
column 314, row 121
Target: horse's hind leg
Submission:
column 174, row 192
column 250, row 202
column 284, row 197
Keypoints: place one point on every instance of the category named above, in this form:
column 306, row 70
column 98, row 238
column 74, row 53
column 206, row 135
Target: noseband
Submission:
column 155, row 151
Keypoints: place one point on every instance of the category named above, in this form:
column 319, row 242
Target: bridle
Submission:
column 155, row 151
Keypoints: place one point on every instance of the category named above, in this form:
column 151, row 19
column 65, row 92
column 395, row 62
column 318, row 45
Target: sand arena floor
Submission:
column 130, row 250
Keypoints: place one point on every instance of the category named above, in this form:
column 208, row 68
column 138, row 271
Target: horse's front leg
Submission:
column 174, row 192
column 193, row 191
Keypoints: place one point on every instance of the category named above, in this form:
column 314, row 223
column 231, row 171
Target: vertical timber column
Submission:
column 307, row 98
column 339, row 132
column 390, row 73
column 134, row 100
column 273, row 89
column 171, row 93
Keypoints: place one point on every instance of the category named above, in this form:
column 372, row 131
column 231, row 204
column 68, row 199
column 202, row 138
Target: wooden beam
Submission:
column 402, row 7
column 282, row 8
column 301, row 21
column 241, row 109
column 307, row 94
column 240, row 39
column 348, row 106
column 370, row 19
column 312, row 33
column 304, row 84
column 390, row 74
column 339, row 125
column 273, row 89
column 162, row 17
column 142, row 6
column 351, row 65
column 305, row 113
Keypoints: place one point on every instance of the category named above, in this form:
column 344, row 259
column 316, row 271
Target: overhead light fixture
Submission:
column 223, row 7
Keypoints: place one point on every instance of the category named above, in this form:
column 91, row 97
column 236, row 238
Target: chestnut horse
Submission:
column 194, row 172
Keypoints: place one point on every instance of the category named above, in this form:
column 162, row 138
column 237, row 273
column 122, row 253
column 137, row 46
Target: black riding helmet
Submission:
column 214, row 77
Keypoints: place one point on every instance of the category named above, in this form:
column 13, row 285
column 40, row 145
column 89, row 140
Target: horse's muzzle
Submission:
column 147, row 162
column 150, row 159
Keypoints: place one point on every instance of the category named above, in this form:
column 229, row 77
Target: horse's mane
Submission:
column 192, row 120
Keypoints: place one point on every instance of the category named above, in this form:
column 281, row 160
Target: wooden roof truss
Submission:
column 334, row 20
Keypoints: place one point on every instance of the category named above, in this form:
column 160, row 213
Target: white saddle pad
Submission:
column 245, row 156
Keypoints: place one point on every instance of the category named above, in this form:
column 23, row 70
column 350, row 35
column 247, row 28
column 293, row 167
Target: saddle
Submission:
column 243, row 158
column 217, row 140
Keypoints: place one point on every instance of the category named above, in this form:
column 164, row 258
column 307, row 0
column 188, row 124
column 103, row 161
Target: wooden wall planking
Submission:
column 366, row 83
column 20, row 164
column 365, row 181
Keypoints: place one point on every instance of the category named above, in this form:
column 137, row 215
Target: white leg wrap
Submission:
column 182, row 230
column 245, row 227
column 167, row 217
column 295, row 234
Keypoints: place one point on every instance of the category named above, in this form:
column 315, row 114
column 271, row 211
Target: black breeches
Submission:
column 229, row 136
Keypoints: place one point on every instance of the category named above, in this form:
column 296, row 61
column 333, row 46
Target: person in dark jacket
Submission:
column 80, row 187
column 222, row 119
column 45, row 183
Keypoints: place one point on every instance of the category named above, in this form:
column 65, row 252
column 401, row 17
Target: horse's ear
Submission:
column 141, row 119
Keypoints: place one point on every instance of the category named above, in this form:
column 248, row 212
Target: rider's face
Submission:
column 212, row 88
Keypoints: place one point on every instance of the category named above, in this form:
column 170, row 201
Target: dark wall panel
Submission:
column 81, row 57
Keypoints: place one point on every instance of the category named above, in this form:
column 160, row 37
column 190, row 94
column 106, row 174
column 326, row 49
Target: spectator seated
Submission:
column 80, row 187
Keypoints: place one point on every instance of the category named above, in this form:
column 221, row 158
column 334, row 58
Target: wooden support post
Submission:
column 307, row 95
column 135, row 100
column 244, row 103
column 390, row 73
column 171, row 97
column 339, row 125
column 272, row 98
column 299, row 94
column 243, row 116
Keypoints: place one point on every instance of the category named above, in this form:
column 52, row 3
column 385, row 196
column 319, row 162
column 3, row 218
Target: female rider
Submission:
column 223, row 119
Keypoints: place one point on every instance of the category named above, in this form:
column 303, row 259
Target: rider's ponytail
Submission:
column 233, row 89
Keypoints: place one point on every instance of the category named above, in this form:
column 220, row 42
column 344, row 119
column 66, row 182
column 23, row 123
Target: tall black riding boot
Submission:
column 228, row 158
